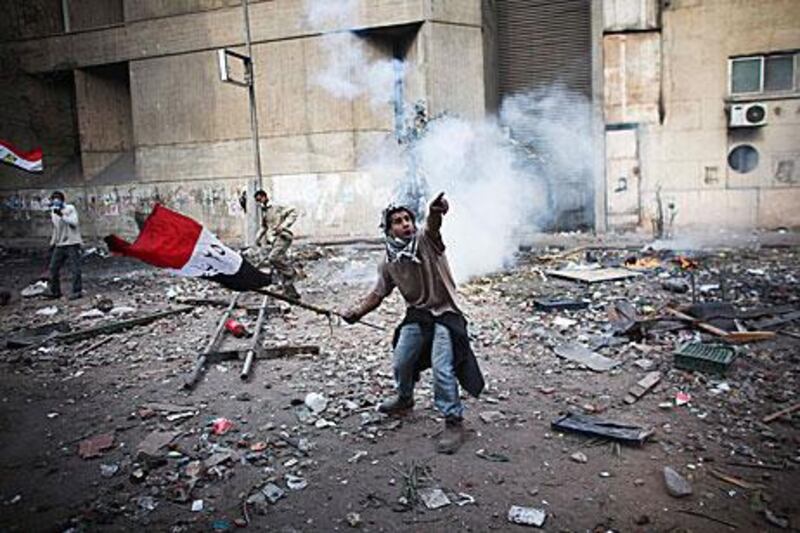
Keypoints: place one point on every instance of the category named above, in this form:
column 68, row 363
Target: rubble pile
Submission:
column 618, row 380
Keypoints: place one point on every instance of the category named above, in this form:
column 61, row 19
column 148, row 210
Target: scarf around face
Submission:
column 401, row 250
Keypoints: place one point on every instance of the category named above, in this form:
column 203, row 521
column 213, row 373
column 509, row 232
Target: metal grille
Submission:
column 544, row 42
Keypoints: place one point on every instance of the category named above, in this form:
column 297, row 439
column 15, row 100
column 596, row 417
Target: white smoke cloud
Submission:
column 495, row 186
column 322, row 13
column 498, row 189
column 349, row 73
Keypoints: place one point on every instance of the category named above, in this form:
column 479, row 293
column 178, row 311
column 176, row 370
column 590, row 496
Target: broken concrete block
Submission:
column 526, row 516
column 434, row 498
column 677, row 485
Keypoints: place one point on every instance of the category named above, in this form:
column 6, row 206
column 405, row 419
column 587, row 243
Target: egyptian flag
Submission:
column 30, row 161
column 176, row 242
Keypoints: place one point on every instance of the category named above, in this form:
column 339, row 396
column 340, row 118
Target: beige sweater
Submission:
column 66, row 230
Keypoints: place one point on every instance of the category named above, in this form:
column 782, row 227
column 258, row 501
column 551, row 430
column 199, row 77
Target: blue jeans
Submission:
column 445, row 386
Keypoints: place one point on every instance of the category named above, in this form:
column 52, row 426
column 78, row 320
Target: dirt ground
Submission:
column 351, row 467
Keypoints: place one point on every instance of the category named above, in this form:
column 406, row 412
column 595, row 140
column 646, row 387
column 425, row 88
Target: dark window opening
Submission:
column 743, row 159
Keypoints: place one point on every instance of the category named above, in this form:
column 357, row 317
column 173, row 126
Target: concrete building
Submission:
column 125, row 99
column 702, row 100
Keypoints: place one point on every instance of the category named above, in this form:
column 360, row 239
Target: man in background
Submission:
column 276, row 224
column 66, row 244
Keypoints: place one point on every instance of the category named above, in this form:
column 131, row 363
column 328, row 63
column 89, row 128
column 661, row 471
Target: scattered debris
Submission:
column 150, row 447
column 548, row 305
column 493, row 457
column 47, row 311
column 434, row 498
column 714, row 358
column 682, row 398
column 34, row 289
column 221, row 425
column 641, row 387
column 677, row 485
column 594, row 426
column 94, row 446
column 490, row 417
column 741, row 483
column 353, row 519
column 594, row 275
column 316, row 402
column 295, row 482
column 109, row 470
column 526, row 516
column 580, row 354
column 783, row 412
column 579, row 457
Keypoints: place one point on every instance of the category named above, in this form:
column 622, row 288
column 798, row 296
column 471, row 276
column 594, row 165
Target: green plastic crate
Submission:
column 713, row 358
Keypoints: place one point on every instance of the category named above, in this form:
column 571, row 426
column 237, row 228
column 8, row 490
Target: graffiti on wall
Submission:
column 122, row 208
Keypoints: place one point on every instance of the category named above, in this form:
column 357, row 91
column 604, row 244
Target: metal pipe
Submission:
column 251, row 90
column 192, row 379
column 251, row 353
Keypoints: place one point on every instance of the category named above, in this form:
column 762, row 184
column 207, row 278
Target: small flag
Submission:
column 30, row 161
column 182, row 245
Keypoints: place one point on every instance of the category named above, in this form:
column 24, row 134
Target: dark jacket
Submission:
column 465, row 365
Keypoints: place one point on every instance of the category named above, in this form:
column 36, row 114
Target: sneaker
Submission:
column 452, row 437
column 75, row 296
column 52, row 296
column 396, row 406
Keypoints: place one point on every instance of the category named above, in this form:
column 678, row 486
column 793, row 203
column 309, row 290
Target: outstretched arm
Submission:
column 383, row 288
column 366, row 306
column 436, row 211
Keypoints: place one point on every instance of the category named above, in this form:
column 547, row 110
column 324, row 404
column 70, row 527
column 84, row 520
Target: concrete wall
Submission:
column 105, row 123
column 23, row 19
column 185, row 138
column 683, row 148
column 88, row 14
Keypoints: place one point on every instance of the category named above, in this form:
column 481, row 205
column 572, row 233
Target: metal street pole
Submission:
column 253, row 185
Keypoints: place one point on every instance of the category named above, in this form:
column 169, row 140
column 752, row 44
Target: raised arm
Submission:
column 436, row 211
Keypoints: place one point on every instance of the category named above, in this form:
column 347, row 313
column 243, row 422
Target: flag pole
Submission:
column 316, row 309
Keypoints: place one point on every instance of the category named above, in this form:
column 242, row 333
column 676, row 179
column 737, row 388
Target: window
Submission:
column 762, row 74
column 743, row 158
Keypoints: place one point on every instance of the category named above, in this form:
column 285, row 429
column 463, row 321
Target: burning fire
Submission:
column 642, row 262
column 686, row 263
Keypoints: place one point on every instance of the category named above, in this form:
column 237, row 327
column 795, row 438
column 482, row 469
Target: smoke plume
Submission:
column 504, row 176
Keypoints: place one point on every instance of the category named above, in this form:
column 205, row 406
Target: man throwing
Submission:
column 276, row 223
column 434, row 331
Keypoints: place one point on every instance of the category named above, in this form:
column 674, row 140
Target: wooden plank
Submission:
column 105, row 329
column 777, row 414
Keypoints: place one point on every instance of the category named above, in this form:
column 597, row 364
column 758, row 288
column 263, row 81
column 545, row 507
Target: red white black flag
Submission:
column 30, row 161
column 176, row 242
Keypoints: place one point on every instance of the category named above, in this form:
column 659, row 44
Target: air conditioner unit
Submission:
column 748, row 115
